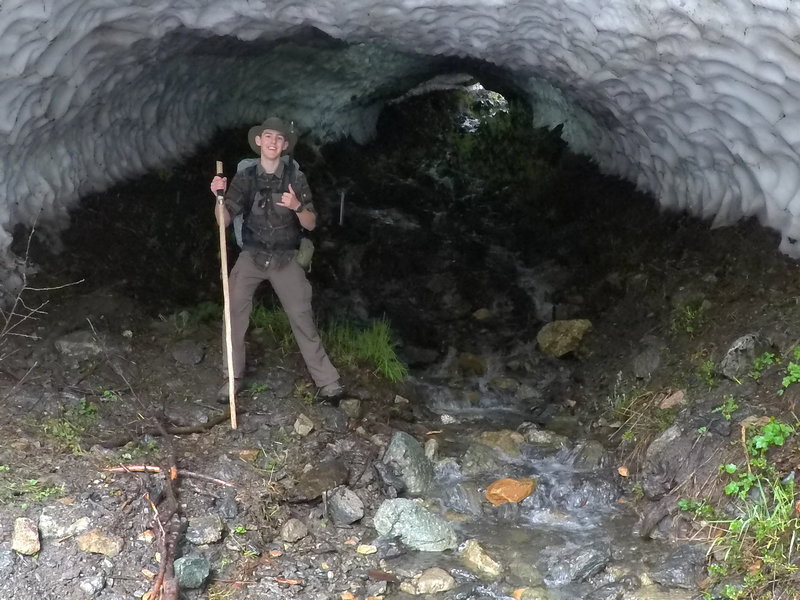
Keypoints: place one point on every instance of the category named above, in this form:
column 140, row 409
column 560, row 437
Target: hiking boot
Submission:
column 223, row 395
column 331, row 391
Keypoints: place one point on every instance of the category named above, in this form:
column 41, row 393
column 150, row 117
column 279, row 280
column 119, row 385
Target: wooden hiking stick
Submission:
column 223, row 254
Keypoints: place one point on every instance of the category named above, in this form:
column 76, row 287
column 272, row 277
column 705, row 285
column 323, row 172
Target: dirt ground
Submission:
column 105, row 369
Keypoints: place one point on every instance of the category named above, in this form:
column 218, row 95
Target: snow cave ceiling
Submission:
column 696, row 101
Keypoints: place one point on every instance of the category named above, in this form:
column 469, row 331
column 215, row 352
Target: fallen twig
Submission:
column 170, row 430
column 157, row 469
column 287, row 581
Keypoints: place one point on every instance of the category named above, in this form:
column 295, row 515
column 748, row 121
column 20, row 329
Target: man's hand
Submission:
column 218, row 185
column 289, row 200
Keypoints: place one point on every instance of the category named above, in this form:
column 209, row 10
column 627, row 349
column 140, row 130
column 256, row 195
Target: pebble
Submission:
column 192, row 571
column 433, row 581
column 351, row 407
column 92, row 585
column 204, row 530
column 478, row 561
column 99, row 542
column 293, row 530
column 25, row 539
column 345, row 507
column 303, row 425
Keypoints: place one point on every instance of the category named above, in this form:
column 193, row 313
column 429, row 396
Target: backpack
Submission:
column 248, row 166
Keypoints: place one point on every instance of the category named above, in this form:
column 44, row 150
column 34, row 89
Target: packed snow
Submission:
column 696, row 101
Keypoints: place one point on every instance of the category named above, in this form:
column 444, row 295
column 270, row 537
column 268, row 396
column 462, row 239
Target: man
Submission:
column 271, row 233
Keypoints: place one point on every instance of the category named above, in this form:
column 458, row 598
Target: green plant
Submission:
column 700, row 509
column 792, row 371
column 275, row 322
column 728, row 407
column 28, row 490
column 258, row 388
column 707, row 372
column 69, row 429
column 188, row 318
column 637, row 491
column 689, row 318
column 239, row 529
column 759, row 543
column 110, row 395
column 372, row 346
column 760, row 363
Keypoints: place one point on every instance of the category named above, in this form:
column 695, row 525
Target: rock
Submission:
column 414, row 525
column 293, row 530
column 506, row 440
column 333, row 418
column 479, row 459
column 6, row 561
column 534, row 593
column 738, row 360
column 612, row 591
column 226, row 505
column 326, row 476
column 99, row 542
column 351, row 407
column 520, row 570
column 479, row 562
column 192, row 571
column 656, row 592
column 366, row 549
column 589, row 455
column 543, row 438
column 481, row 314
column 561, row 337
column 463, row 497
column 507, row 490
column 505, row 384
column 683, row 568
column 188, row 352
column 303, row 425
column 80, row 345
column 663, row 441
column 405, row 457
column 25, row 539
column 345, row 507
column 92, row 585
column 431, row 449
column 58, row 521
column 204, row 530
column 673, row 399
column 472, row 364
column 433, row 581
column 577, row 565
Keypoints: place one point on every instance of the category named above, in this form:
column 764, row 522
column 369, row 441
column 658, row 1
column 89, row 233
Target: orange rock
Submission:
column 507, row 490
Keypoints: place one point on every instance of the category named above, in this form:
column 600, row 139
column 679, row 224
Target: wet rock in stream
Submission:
column 567, row 565
column 405, row 465
column 416, row 527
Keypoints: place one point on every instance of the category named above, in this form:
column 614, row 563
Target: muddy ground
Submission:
column 106, row 369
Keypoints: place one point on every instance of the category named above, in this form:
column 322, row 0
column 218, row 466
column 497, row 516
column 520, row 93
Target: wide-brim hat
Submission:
column 276, row 124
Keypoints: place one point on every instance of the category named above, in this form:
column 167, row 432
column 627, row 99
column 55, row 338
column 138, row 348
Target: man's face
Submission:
column 272, row 143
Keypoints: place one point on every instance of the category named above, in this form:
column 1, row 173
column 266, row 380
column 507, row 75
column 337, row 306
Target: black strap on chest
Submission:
column 287, row 177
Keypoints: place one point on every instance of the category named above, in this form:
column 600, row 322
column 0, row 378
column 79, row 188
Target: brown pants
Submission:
column 294, row 292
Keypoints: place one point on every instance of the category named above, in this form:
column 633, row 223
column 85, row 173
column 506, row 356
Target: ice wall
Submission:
column 697, row 102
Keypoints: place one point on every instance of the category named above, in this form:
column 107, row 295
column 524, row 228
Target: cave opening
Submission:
column 458, row 205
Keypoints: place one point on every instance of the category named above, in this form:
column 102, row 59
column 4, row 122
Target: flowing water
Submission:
column 572, row 538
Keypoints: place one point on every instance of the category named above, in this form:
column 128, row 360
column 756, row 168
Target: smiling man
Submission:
column 275, row 201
